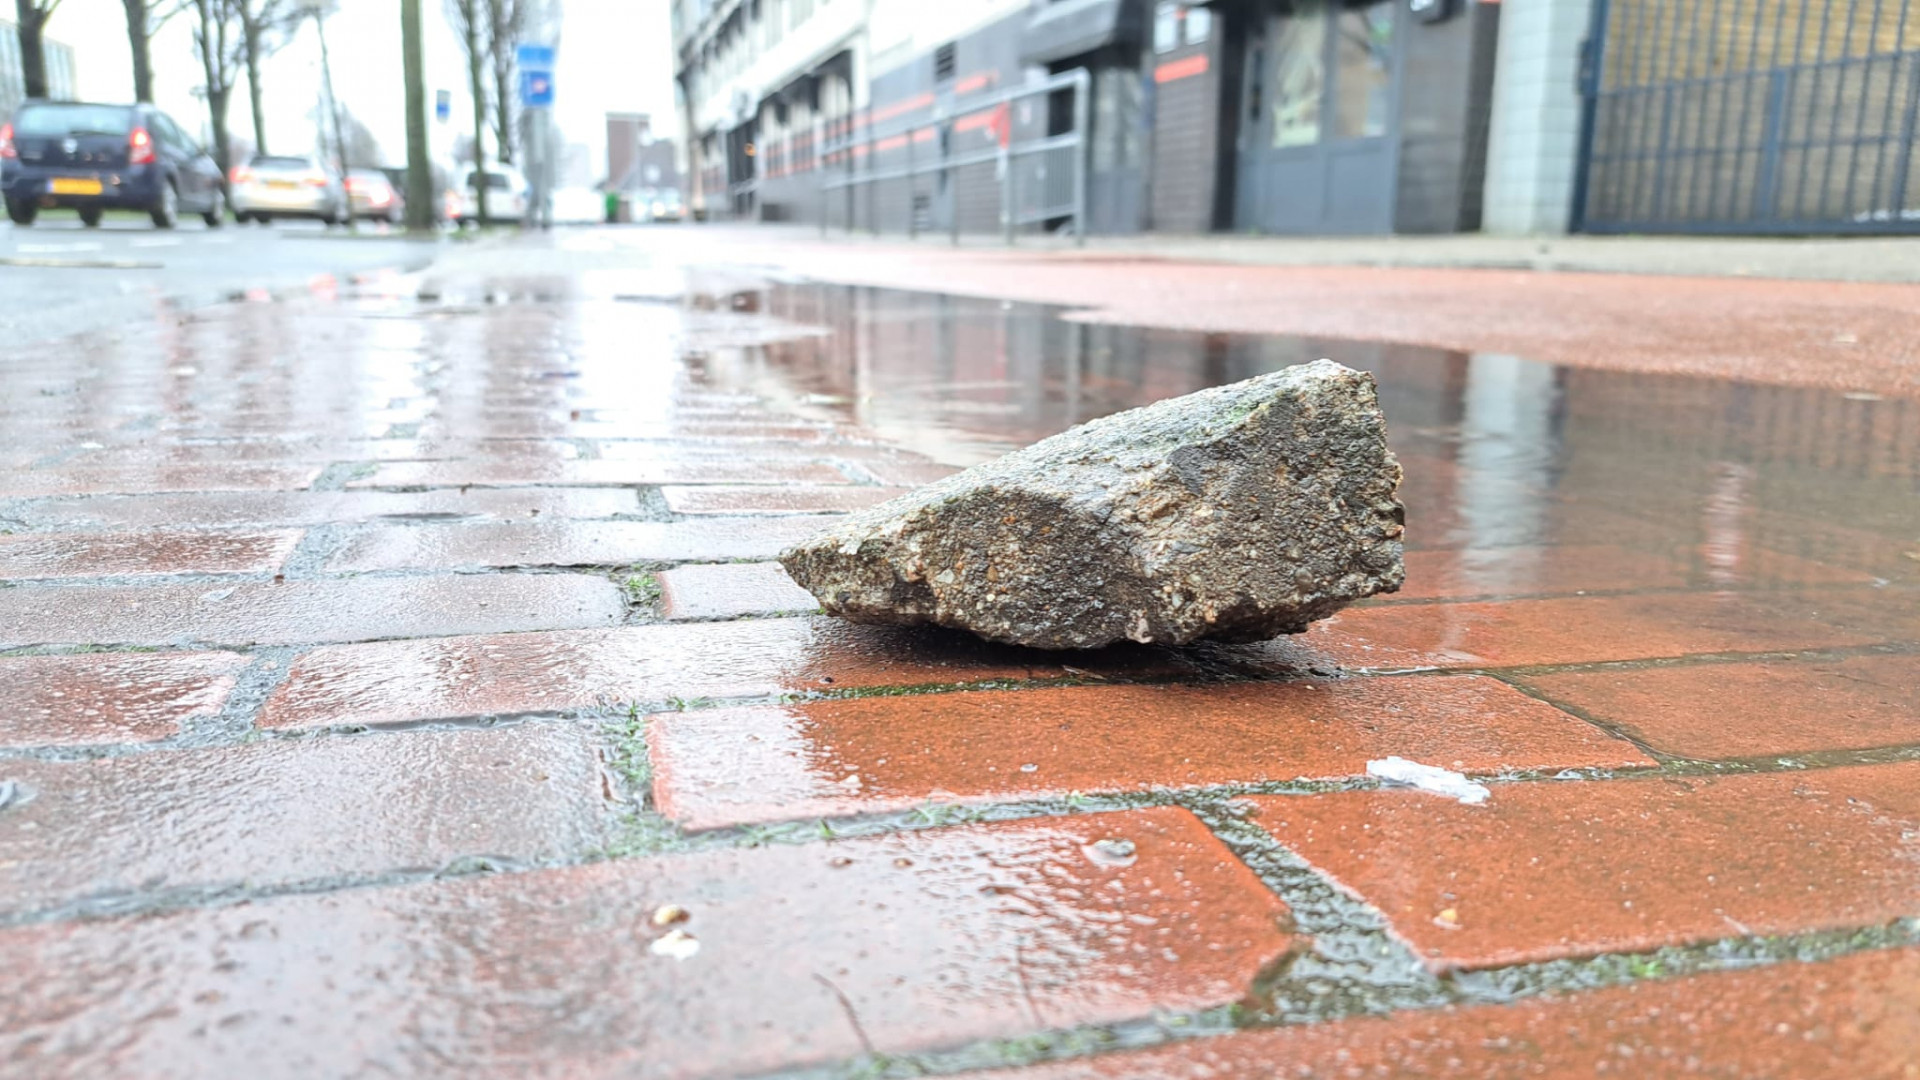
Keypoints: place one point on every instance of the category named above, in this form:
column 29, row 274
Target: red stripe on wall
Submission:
column 973, row 82
column 1181, row 69
column 899, row 108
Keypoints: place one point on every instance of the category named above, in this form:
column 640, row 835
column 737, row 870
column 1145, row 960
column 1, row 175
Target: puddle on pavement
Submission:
column 1522, row 477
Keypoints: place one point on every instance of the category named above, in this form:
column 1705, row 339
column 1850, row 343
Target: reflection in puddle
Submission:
column 1525, row 472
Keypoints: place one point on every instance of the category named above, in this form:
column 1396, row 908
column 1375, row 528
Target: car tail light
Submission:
column 316, row 180
column 241, row 175
column 140, row 147
column 352, row 184
column 6, row 142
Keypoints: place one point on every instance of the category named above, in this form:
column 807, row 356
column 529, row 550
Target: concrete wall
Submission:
column 1533, row 142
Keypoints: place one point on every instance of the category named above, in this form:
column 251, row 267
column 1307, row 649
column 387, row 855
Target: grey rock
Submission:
column 1238, row 513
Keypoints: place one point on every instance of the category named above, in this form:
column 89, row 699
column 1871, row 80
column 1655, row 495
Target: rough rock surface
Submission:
column 1237, row 513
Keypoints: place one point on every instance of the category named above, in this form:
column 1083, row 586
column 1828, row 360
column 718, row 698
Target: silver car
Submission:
column 373, row 197
column 271, row 187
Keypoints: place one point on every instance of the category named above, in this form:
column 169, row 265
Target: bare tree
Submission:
column 216, row 40
column 144, row 19
column 469, row 19
column 266, row 26
column 359, row 146
column 506, row 28
column 32, row 24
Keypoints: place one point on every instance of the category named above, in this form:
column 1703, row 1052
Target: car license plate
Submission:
column 282, row 185
column 65, row 185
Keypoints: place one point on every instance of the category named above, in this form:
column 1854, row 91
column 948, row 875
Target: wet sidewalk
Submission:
column 401, row 685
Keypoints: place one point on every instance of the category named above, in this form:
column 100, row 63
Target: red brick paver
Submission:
column 109, row 697
column 1858, row 1016
column 136, row 479
column 749, row 499
column 75, row 555
column 597, row 473
column 1547, row 870
column 298, row 612
column 1750, row 710
column 728, row 592
column 440, row 678
column 1585, row 629
column 1531, row 571
column 572, row 543
column 285, row 810
column 233, row 508
column 798, row 955
column 728, row 766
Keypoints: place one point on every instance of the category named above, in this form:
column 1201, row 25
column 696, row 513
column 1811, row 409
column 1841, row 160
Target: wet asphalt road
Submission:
column 58, row 278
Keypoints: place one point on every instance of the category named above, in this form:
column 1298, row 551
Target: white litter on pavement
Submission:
column 1398, row 770
column 678, row 944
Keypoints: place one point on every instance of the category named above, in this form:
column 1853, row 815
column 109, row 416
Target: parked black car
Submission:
column 93, row 158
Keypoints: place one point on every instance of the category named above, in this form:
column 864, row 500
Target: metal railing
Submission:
column 1751, row 116
column 1029, row 191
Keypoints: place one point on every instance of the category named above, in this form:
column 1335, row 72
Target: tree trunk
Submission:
column 252, row 31
column 420, row 215
column 140, row 43
column 477, row 85
column 222, row 143
column 503, row 108
column 210, row 39
column 33, row 61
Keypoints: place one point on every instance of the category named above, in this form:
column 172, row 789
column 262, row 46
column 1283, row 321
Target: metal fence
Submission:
column 1038, row 178
column 1750, row 116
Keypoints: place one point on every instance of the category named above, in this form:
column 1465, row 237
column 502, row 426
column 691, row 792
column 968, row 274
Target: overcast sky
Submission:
column 615, row 56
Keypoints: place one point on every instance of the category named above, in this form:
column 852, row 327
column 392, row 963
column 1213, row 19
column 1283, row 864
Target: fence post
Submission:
column 953, row 184
column 913, row 223
column 1082, row 153
column 1006, row 191
column 873, row 168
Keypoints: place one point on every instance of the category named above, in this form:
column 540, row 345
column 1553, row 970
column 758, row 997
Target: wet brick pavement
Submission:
column 399, row 685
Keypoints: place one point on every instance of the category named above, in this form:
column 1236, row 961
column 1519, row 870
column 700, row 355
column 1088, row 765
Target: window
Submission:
column 1363, row 71
column 170, row 134
column 1199, row 25
column 1299, row 76
column 1177, row 24
column 1166, row 27
column 943, row 63
column 73, row 120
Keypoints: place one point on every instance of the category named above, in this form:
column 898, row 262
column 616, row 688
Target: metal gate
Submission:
column 1750, row 116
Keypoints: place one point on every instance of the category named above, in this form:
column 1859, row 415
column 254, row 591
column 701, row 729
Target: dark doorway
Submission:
column 1319, row 119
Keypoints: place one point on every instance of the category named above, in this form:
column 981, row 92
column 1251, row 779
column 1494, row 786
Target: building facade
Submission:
column 13, row 89
column 1305, row 116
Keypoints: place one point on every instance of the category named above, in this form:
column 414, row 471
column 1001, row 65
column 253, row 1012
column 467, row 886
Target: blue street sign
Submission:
column 536, row 89
column 442, row 105
column 536, row 75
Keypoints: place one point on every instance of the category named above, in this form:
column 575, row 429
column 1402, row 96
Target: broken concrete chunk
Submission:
column 1238, row 513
